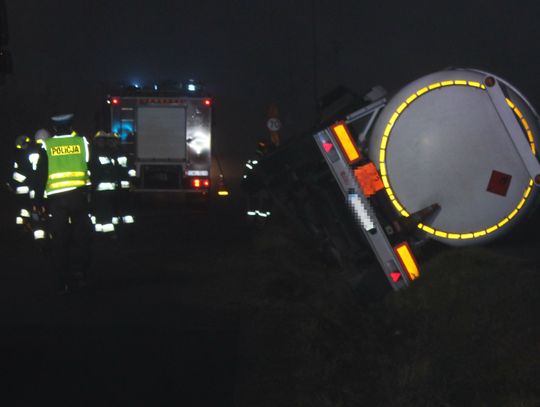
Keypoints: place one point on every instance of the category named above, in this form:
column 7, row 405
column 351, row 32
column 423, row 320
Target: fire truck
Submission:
column 167, row 131
column 450, row 157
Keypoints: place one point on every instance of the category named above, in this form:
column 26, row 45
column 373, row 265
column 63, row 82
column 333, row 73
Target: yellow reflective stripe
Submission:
column 68, row 174
column 64, row 184
column 385, row 175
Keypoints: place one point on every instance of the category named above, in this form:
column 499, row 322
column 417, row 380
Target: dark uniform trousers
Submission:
column 71, row 231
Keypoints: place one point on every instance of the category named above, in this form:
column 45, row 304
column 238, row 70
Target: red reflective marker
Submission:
column 327, row 146
column 395, row 276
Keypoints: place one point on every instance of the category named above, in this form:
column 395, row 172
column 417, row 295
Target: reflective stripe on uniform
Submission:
column 67, row 174
column 122, row 161
column 22, row 190
column 34, row 159
column 17, row 176
column 124, row 184
column 128, row 219
column 56, row 191
column 106, row 186
column 108, row 227
column 66, row 184
column 104, row 160
column 132, row 173
column 39, row 234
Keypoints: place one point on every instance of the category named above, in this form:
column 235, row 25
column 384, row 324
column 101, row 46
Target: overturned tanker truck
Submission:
column 450, row 157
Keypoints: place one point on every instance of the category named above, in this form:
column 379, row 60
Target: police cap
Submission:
column 62, row 119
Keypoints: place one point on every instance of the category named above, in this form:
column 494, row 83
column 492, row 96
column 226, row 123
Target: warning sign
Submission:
column 499, row 183
column 274, row 124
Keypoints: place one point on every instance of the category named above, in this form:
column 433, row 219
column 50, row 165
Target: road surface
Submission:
column 146, row 334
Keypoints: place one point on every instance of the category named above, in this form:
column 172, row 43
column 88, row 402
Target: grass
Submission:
column 466, row 333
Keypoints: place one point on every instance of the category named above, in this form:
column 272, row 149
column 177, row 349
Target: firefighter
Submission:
column 104, row 170
column 126, row 174
column 36, row 174
column 66, row 191
column 19, row 181
column 258, row 199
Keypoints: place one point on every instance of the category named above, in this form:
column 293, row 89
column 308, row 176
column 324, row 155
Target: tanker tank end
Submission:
column 450, row 157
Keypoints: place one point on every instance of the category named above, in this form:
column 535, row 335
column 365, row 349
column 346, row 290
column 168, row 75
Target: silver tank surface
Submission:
column 440, row 140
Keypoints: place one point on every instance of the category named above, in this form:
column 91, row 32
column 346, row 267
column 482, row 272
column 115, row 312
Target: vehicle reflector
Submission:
column 207, row 102
column 327, row 146
column 395, row 276
column 407, row 260
column 223, row 193
column 206, row 183
column 346, row 142
column 368, row 178
column 115, row 101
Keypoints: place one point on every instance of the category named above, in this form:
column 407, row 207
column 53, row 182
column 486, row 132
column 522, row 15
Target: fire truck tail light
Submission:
column 115, row 101
column 406, row 257
column 346, row 142
column 207, row 102
column 200, row 183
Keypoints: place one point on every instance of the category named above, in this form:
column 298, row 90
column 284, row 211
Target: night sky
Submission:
column 249, row 54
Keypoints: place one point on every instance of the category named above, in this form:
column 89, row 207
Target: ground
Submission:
column 193, row 306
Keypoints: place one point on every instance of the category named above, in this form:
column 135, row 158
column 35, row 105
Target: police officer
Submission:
column 104, row 170
column 126, row 174
column 66, row 192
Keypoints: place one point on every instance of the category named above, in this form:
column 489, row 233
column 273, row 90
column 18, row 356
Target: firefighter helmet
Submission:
column 41, row 135
column 101, row 133
column 21, row 142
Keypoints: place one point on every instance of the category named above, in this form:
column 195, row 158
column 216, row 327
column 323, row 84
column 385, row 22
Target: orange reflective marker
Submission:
column 369, row 179
column 346, row 142
column 407, row 260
